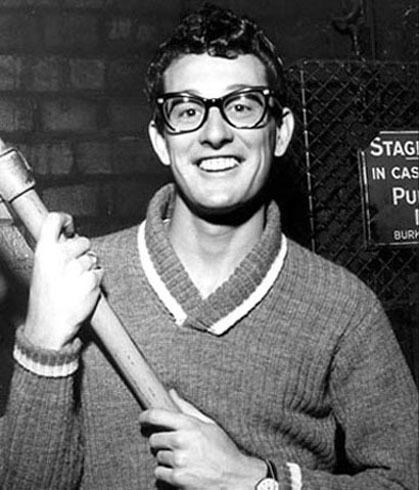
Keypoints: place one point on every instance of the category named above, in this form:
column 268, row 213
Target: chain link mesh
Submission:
column 340, row 106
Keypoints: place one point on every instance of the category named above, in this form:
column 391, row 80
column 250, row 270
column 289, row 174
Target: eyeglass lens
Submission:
column 241, row 110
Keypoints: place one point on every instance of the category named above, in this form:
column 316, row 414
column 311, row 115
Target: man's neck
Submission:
column 208, row 250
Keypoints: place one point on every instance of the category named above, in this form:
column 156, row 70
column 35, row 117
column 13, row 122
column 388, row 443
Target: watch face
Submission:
column 267, row 484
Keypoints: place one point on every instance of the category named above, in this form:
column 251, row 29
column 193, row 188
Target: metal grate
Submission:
column 340, row 106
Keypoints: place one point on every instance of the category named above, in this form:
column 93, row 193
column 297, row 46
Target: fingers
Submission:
column 94, row 278
column 164, row 418
column 55, row 225
column 165, row 474
column 166, row 441
column 90, row 273
column 94, row 259
column 56, row 230
column 174, row 420
column 75, row 247
column 165, row 457
column 88, row 261
column 65, row 285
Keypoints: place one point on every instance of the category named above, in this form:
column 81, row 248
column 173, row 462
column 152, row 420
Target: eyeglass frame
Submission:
column 219, row 103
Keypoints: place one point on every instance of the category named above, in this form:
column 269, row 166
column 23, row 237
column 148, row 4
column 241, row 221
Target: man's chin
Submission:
column 226, row 212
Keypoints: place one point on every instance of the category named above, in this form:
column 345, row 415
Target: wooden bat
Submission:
column 17, row 189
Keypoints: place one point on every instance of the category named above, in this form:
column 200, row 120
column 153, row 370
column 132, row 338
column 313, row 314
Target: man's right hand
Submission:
column 65, row 284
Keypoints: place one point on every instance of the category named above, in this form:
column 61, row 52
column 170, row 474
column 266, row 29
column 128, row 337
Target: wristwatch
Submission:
column 270, row 481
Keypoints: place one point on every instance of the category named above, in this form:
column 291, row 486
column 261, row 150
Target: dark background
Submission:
column 71, row 98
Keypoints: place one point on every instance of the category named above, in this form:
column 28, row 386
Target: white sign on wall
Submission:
column 390, row 182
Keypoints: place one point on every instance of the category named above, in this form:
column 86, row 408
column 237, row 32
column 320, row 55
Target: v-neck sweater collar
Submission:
column 231, row 301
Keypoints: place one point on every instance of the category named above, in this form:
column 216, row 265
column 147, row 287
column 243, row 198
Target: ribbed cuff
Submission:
column 46, row 362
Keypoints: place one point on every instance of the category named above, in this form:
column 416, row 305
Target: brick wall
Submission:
column 71, row 78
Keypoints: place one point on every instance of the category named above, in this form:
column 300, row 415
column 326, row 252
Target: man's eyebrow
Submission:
column 240, row 86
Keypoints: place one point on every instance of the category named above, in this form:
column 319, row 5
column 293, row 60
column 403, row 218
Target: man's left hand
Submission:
column 194, row 453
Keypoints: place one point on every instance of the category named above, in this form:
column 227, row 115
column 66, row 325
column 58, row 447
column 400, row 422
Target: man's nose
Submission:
column 216, row 131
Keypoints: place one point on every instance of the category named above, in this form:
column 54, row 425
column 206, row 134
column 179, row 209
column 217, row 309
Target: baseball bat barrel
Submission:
column 17, row 188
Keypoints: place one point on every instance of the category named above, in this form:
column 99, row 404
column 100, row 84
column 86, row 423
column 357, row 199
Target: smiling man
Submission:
column 219, row 138
column 283, row 365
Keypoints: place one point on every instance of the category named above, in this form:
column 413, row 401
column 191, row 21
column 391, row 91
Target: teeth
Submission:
column 218, row 164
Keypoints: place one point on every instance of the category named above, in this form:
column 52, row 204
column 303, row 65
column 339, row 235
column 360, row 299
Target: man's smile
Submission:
column 218, row 164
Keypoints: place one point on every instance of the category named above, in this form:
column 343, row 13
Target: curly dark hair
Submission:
column 218, row 32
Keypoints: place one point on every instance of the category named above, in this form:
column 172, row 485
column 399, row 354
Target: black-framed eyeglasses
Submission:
column 242, row 109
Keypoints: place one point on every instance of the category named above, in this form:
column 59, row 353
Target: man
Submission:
column 283, row 364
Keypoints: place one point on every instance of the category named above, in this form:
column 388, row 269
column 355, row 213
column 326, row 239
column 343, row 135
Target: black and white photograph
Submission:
column 209, row 244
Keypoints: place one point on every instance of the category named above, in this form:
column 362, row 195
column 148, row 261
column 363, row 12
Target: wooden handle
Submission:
column 17, row 188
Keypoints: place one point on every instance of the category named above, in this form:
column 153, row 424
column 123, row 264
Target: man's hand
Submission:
column 194, row 453
column 65, row 284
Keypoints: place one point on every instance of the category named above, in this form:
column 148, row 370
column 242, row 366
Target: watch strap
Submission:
column 271, row 470
column 270, row 480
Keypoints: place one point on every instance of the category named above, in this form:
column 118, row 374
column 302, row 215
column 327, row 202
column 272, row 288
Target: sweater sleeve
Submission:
column 40, row 433
column 374, row 400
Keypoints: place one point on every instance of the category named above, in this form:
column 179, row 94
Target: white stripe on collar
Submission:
column 225, row 323
column 256, row 296
column 155, row 280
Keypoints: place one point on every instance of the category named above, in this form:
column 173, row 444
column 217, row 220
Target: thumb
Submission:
column 188, row 409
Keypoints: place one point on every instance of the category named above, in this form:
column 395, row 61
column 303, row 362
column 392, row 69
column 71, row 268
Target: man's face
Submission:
column 218, row 167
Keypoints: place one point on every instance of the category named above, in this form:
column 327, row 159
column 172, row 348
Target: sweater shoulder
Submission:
column 328, row 279
column 332, row 301
column 116, row 243
column 119, row 257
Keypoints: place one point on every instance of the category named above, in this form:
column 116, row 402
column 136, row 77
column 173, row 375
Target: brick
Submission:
column 77, row 200
column 19, row 31
column 126, row 5
column 46, row 74
column 26, row 3
column 147, row 33
column 157, row 8
column 126, row 75
column 118, row 28
column 71, row 31
column 34, row 159
column 134, row 35
column 83, row 3
column 93, row 157
column 126, row 157
column 132, row 197
column 10, row 72
column 16, row 114
column 135, row 156
column 137, row 33
column 50, row 158
column 87, row 74
column 68, row 115
column 128, row 115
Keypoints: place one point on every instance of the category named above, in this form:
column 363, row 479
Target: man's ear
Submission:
column 159, row 143
column 284, row 132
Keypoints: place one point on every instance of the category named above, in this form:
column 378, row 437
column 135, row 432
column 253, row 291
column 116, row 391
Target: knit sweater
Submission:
column 292, row 356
